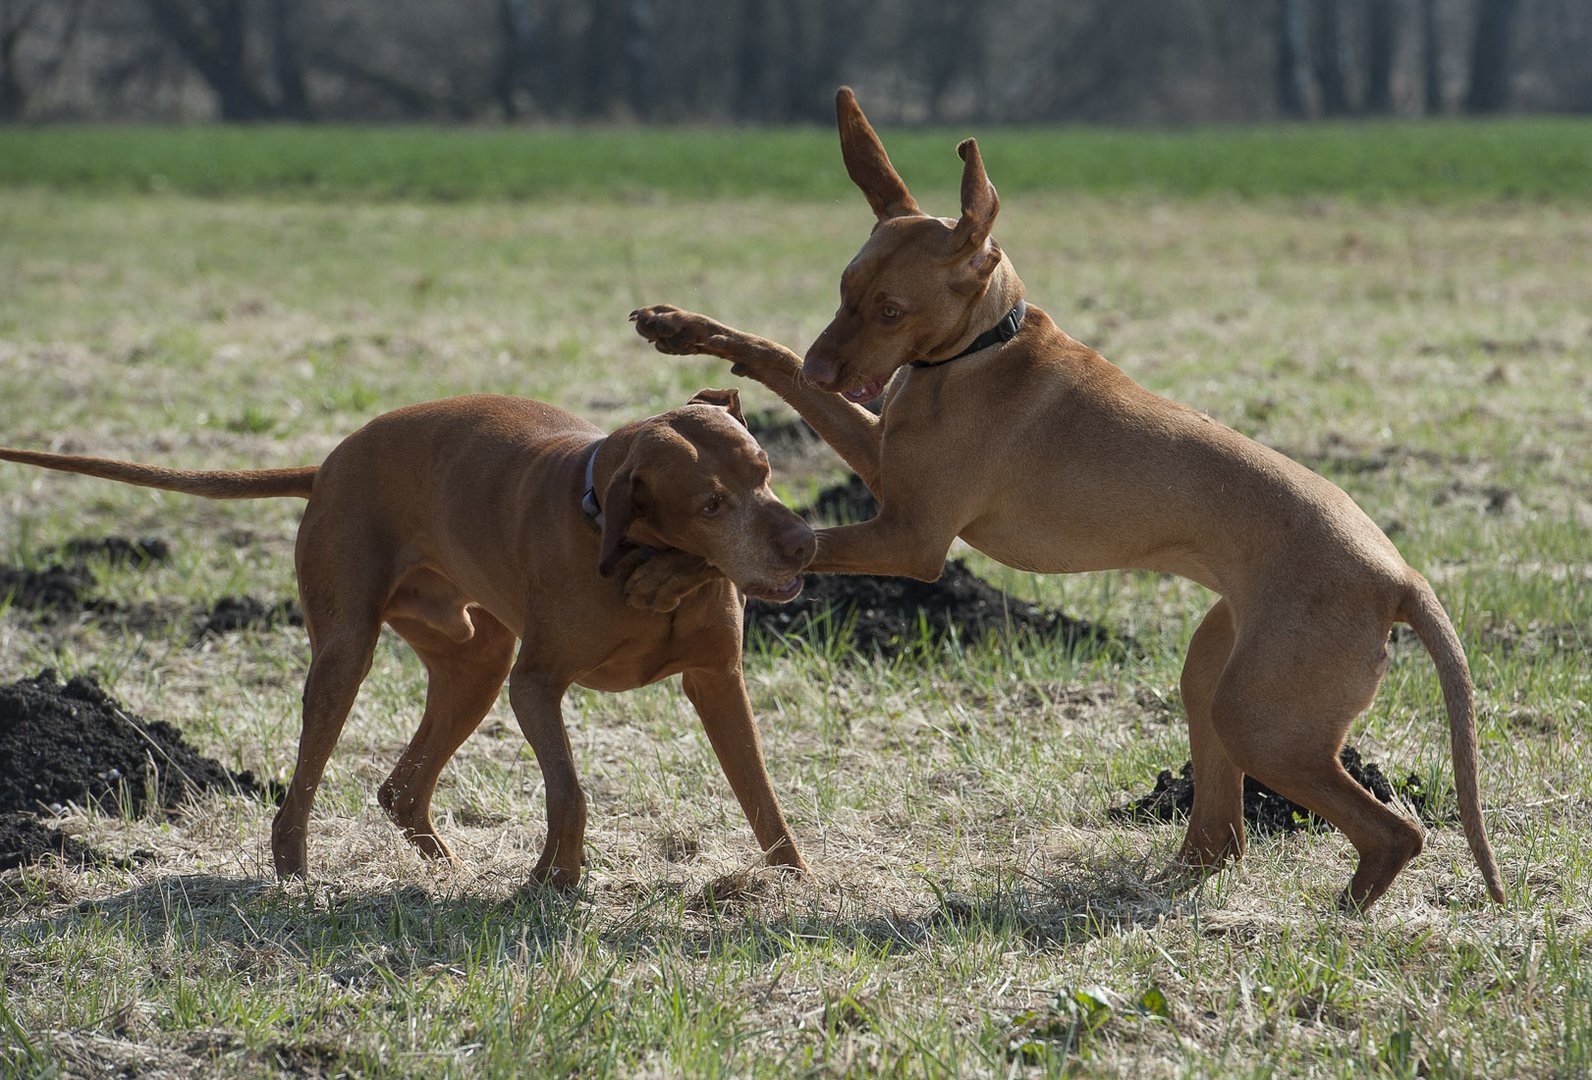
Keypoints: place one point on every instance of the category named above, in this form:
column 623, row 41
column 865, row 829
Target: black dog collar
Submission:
column 1002, row 331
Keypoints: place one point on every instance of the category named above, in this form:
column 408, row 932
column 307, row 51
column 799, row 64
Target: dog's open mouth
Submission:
column 778, row 594
column 867, row 391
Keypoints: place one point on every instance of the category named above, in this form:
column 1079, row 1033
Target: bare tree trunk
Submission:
column 752, row 61
column 1381, row 30
column 823, row 31
column 1293, row 42
column 1329, row 59
column 16, row 20
column 210, row 36
column 1489, row 57
column 598, row 83
column 1431, row 60
column 515, row 29
column 946, row 42
column 286, row 61
column 636, row 49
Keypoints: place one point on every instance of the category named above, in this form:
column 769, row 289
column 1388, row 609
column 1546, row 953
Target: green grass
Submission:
column 1516, row 158
column 974, row 910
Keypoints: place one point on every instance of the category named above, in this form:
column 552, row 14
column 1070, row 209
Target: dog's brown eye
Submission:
column 714, row 504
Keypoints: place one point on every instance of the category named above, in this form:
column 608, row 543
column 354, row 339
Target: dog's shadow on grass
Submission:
column 352, row 934
column 1084, row 902
column 358, row 934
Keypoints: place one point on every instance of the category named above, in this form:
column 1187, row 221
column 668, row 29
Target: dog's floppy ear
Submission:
column 866, row 162
column 980, row 204
column 625, row 500
column 724, row 399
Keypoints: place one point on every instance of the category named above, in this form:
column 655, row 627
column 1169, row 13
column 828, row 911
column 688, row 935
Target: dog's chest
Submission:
column 652, row 646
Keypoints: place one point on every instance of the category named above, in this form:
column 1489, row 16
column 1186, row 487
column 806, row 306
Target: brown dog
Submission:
column 465, row 524
column 1034, row 449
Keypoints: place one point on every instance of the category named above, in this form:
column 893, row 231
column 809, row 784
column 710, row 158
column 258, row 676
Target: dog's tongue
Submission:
column 866, row 392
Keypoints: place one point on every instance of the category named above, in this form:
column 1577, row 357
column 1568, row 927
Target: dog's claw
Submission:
column 673, row 331
column 556, row 878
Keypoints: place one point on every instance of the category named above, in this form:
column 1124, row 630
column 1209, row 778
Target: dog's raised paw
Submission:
column 672, row 330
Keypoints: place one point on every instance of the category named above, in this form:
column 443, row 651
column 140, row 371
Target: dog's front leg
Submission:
column 719, row 695
column 536, row 703
column 852, row 430
column 885, row 545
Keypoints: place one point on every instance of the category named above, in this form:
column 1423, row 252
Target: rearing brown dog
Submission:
column 1002, row 430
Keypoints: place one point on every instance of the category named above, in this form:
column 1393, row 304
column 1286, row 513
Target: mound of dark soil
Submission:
column 55, row 590
column 844, row 503
column 1265, row 811
column 890, row 615
column 780, row 433
column 116, row 550
column 233, row 613
column 73, row 743
column 24, row 839
column 66, row 589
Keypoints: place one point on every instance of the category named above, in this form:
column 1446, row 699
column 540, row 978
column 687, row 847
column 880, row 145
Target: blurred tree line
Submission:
column 1128, row 61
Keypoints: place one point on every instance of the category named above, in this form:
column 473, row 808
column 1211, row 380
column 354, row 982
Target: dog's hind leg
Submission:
column 339, row 662
column 1282, row 708
column 1216, row 826
column 464, row 680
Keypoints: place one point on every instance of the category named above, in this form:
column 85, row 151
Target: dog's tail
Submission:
column 1431, row 624
column 219, row 484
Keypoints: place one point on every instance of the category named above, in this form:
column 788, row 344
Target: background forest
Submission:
column 778, row 61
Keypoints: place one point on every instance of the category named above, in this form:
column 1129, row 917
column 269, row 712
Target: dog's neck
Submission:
column 991, row 319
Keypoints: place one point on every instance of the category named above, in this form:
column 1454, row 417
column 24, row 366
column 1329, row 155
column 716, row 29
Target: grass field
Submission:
column 1425, row 343
column 1513, row 159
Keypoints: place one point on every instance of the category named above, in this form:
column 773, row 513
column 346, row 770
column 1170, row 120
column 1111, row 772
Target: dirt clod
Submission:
column 115, row 550
column 1265, row 811
column 66, row 589
column 780, row 433
column 233, row 613
column 55, row 590
column 24, row 839
column 73, row 743
column 844, row 503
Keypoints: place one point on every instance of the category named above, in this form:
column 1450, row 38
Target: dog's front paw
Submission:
column 671, row 330
column 660, row 583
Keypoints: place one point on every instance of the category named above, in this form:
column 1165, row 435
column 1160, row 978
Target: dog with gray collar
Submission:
column 473, row 523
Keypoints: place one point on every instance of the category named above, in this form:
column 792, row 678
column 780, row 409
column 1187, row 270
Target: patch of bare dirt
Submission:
column 231, row 614
column 887, row 616
column 781, row 434
column 844, row 503
column 72, row 743
column 1265, row 811
column 56, row 589
column 67, row 589
column 115, row 550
